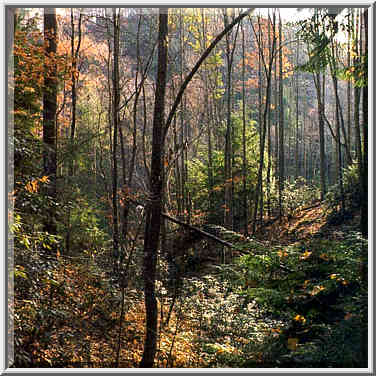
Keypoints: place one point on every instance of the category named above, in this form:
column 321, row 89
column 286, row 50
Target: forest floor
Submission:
column 305, row 225
column 297, row 301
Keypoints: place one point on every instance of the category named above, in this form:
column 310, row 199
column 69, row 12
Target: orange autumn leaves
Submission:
column 33, row 185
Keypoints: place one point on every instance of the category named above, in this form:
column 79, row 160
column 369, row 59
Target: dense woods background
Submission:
column 188, row 187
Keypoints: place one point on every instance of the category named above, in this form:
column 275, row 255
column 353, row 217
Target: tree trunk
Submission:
column 74, row 78
column 263, row 119
column 281, row 174
column 154, row 207
column 228, row 204
column 49, row 113
column 116, row 121
column 212, row 214
column 364, row 175
column 297, row 165
column 127, row 180
column 349, row 120
column 320, row 109
column 244, row 141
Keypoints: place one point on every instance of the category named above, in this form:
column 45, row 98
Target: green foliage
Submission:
column 357, row 72
column 86, row 234
column 319, row 290
column 198, row 174
column 297, row 194
column 351, row 188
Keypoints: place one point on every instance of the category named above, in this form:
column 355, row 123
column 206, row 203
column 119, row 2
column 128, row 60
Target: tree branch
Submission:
column 197, row 66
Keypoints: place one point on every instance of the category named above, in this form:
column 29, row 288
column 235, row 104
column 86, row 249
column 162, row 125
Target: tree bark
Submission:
column 74, row 79
column 320, row 109
column 297, row 165
column 281, row 174
column 364, row 175
column 116, row 121
column 263, row 119
column 244, row 140
column 49, row 113
column 228, row 204
column 154, row 207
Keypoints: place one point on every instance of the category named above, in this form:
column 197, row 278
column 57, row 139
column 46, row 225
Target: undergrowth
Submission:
column 300, row 305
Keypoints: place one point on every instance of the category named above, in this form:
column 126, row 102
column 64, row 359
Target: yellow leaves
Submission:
column 20, row 112
column 317, row 289
column 339, row 279
column 306, row 283
column 223, row 348
column 301, row 319
column 305, row 255
column 44, row 179
column 29, row 90
column 292, row 343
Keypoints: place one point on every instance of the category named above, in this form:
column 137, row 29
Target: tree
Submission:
column 267, row 64
column 74, row 78
column 116, row 121
column 281, row 147
column 49, row 111
column 244, row 154
column 154, row 208
column 364, row 165
column 228, row 204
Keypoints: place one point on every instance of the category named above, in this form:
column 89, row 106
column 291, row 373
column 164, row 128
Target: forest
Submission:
column 187, row 188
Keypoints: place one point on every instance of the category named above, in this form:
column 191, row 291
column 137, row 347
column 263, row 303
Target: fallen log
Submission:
column 181, row 223
column 203, row 233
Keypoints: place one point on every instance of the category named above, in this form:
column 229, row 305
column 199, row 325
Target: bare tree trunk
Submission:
column 228, row 205
column 74, row 79
column 297, row 164
column 49, row 113
column 116, row 121
column 364, row 175
column 281, row 175
column 207, row 111
column 263, row 119
column 244, row 140
column 154, row 207
column 127, row 180
column 349, row 120
column 320, row 110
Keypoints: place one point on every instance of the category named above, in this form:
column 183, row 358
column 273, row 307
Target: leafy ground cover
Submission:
column 302, row 304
